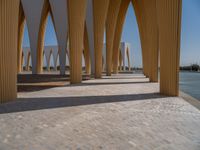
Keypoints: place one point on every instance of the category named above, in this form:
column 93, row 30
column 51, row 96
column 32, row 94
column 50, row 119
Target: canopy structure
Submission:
column 81, row 24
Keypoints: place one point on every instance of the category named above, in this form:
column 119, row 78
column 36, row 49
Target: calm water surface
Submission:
column 190, row 83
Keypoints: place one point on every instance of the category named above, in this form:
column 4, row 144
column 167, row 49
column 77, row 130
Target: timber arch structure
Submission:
column 82, row 25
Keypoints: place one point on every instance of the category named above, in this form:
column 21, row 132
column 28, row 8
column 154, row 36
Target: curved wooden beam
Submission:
column 147, row 22
column 41, row 36
column 138, row 6
column 118, row 33
column 21, row 25
column 113, row 12
column 151, row 38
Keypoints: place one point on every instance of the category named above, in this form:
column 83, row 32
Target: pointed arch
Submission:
column 138, row 8
column 36, row 13
column 60, row 22
column 118, row 33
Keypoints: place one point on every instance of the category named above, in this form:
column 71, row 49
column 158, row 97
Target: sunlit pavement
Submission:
column 119, row 112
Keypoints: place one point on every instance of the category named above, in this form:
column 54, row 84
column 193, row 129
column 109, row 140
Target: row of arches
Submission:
column 61, row 32
column 82, row 23
column 51, row 58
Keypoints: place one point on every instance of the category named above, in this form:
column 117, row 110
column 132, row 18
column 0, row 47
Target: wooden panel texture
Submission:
column 8, row 49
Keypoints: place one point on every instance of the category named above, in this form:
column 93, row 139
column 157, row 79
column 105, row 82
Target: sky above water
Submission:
column 190, row 35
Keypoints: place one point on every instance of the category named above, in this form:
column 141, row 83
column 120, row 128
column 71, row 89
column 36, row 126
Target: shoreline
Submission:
column 191, row 100
column 189, row 71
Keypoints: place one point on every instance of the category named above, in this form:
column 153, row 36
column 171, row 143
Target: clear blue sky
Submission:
column 190, row 36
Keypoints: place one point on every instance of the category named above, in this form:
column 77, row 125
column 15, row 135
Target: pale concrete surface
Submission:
column 121, row 112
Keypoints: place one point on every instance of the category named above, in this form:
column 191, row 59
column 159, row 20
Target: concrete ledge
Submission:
column 193, row 101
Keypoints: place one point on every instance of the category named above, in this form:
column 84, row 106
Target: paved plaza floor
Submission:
column 121, row 112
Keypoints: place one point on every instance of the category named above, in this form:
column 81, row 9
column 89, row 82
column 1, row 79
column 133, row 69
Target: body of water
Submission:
column 190, row 83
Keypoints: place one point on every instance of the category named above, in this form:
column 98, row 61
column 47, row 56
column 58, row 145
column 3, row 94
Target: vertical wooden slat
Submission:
column 76, row 21
column 8, row 49
column 169, row 22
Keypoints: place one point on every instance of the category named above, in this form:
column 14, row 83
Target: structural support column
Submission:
column 8, row 49
column 151, row 39
column 21, row 25
column 169, row 22
column 113, row 12
column 86, row 52
column 118, row 33
column 100, row 9
column 76, row 21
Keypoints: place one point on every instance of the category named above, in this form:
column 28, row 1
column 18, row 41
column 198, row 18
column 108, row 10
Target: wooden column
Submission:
column 113, row 12
column 151, row 39
column 86, row 52
column 118, row 33
column 76, row 21
column 21, row 25
column 9, row 11
column 100, row 9
column 141, row 20
column 169, row 22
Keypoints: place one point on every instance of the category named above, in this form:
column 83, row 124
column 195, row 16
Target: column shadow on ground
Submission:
column 28, row 104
